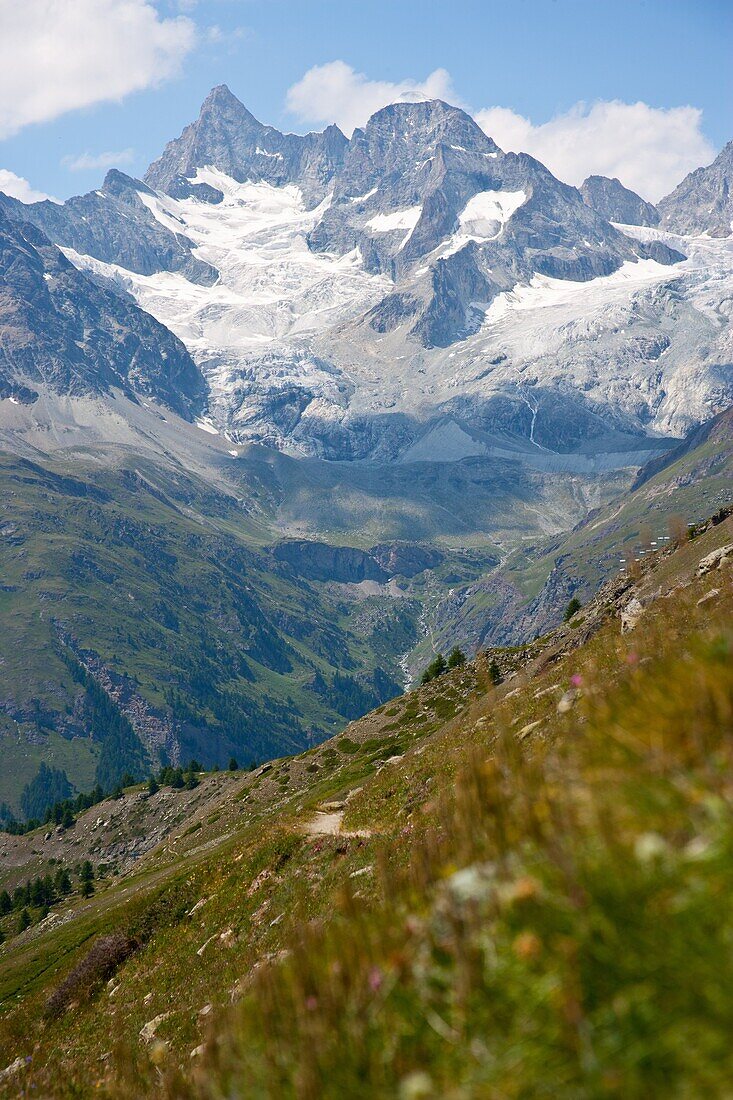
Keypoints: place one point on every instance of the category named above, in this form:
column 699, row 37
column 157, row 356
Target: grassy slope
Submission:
column 487, row 924
column 154, row 574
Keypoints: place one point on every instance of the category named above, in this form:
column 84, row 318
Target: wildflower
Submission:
column 416, row 1086
column 632, row 658
column 375, row 979
column 576, row 680
column 311, row 1003
column 650, row 847
column 699, row 848
column 158, row 1052
column 527, row 946
column 522, row 889
column 474, row 883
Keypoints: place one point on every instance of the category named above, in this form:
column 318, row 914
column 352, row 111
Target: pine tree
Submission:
column 456, row 658
column 86, row 879
column 572, row 609
column 436, row 668
column 233, row 765
column 495, row 673
column 24, row 920
column 153, row 786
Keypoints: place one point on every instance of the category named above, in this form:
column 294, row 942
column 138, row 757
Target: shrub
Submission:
column 98, row 965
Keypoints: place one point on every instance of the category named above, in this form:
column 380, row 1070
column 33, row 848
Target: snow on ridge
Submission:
column 483, row 211
column 363, row 198
column 483, row 218
column 398, row 219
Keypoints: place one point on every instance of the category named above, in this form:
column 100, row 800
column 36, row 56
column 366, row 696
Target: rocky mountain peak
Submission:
column 703, row 202
column 428, row 122
column 228, row 137
column 119, row 183
column 616, row 203
column 221, row 107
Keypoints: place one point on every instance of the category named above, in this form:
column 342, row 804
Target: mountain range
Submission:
column 292, row 267
column 290, row 412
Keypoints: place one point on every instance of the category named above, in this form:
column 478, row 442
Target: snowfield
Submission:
column 282, row 340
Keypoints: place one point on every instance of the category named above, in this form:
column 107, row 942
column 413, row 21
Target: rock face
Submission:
column 406, row 559
column 116, row 225
column 616, row 203
column 231, row 139
column 60, row 329
column 703, row 202
column 320, row 562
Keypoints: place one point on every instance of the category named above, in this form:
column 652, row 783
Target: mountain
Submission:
column 512, row 314
column 422, row 184
column 226, row 136
column 703, row 202
column 60, row 330
column 370, row 378
column 616, row 203
column 515, row 318
column 145, row 622
column 115, row 224
column 459, row 894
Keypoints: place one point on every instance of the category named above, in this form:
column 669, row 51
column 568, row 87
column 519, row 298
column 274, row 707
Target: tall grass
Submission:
column 564, row 927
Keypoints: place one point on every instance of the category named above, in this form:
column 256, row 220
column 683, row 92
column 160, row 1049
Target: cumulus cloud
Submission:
column 86, row 162
column 20, row 188
column 337, row 93
column 60, row 55
column 650, row 149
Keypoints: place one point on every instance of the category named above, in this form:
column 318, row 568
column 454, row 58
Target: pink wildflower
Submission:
column 375, row 979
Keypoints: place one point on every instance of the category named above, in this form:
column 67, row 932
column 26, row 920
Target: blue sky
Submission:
column 89, row 83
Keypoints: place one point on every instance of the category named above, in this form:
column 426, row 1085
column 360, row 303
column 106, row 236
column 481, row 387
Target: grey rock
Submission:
column 616, row 203
column 229, row 137
column 59, row 328
column 320, row 562
column 114, row 225
column 703, row 202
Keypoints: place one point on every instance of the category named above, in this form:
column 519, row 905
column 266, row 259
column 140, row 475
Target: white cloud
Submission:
column 215, row 36
column 85, row 162
column 20, row 188
column 650, row 149
column 60, row 55
column 336, row 93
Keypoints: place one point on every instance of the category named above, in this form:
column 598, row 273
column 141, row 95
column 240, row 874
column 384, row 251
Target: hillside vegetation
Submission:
column 145, row 623
column 520, row 889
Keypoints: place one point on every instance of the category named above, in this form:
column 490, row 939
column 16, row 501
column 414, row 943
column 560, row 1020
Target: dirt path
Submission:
column 325, row 823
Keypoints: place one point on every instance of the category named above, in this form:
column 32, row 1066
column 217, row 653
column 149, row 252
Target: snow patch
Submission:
column 398, row 219
column 206, row 426
column 363, row 198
